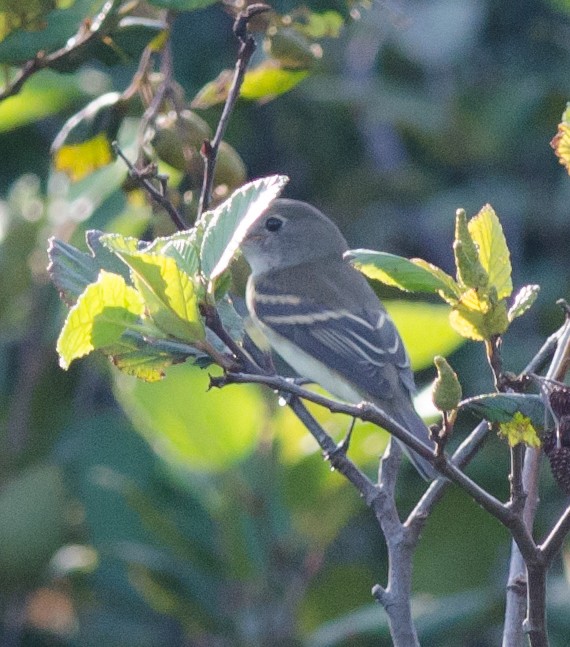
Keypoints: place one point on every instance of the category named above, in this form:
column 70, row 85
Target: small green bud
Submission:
column 446, row 391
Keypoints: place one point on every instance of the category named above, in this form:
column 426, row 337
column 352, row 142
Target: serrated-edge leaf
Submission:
column 119, row 244
column 396, row 271
column 523, row 300
column 72, row 270
column 487, row 233
column 109, row 304
column 182, row 247
column 227, row 224
column 467, row 323
column 169, row 293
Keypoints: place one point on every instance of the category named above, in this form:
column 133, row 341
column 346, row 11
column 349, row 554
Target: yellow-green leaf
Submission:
column 411, row 276
column 269, row 80
column 101, row 315
column 487, row 234
column 519, row 430
column 145, row 364
column 478, row 317
column 561, row 141
column 264, row 82
column 467, row 323
column 81, row 159
column 169, row 294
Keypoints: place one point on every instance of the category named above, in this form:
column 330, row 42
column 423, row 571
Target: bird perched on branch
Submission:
column 321, row 316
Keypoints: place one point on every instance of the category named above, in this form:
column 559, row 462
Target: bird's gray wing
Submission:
column 361, row 345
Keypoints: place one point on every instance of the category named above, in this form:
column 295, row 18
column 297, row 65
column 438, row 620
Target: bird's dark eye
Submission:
column 273, row 224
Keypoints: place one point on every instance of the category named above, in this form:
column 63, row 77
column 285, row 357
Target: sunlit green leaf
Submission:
column 487, row 234
column 399, row 272
column 101, row 315
column 181, row 246
column 228, row 223
column 327, row 24
column 478, row 317
column 169, row 293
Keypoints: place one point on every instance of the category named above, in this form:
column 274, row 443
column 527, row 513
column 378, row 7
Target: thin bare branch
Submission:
column 144, row 178
column 210, row 148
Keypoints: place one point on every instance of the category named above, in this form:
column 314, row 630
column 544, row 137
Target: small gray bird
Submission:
column 323, row 318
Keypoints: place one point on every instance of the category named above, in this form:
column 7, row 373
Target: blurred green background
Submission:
column 137, row 515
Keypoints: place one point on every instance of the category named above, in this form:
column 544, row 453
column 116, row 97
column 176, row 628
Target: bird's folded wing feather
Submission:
column 362, row 345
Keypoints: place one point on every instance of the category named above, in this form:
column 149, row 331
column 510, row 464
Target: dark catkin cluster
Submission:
column 559, row 452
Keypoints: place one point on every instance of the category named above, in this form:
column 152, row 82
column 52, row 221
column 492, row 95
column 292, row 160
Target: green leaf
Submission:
column 226, row 226
column 501, row 407
column 72, row 270
column 494, row 256
column 410, row 276
column 413, row 319
column 44, row 94
column 523, row 300
column 101, row 315
column 135, row 355
column 169, row 293
column 519, row 430
column 291, row 48
column 470, row 271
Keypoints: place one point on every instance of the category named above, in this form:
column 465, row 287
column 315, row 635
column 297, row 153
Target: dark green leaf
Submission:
column 501, row 407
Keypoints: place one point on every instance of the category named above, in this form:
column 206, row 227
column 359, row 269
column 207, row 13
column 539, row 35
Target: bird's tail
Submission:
column 409, row 419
